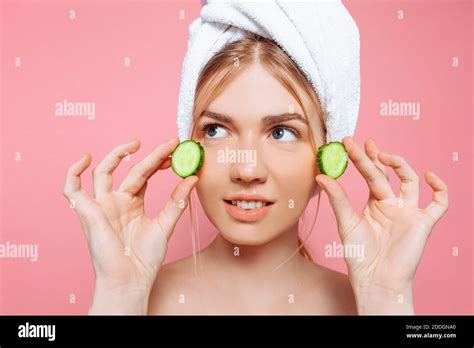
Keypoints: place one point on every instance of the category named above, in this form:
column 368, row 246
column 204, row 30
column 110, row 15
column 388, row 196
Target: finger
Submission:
column 439, row 204
column 176, row 205
column 166, row 164
column 409, row 181
column 73, row 191
column 143, row 170
column 345, row 214
column 103, row 180
column 141, row 193
column 372, row 151
column 378, row 184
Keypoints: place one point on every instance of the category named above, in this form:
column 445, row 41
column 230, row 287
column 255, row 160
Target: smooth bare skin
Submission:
column 393, row 229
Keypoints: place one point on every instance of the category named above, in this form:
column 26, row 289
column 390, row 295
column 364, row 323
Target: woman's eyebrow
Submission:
column 287, row 116
column 218, row 117
column 269, row 119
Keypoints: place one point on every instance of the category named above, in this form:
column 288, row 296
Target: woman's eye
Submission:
column 215, row 131
column 283, row 134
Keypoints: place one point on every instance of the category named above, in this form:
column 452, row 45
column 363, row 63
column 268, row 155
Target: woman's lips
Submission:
column 247, row 215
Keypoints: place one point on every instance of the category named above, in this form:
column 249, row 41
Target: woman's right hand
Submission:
column 126, row 246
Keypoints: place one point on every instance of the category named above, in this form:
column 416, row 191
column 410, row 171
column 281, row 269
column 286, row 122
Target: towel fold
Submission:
column 320, row 36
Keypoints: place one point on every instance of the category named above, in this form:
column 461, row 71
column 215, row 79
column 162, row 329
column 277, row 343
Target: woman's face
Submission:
column 257, row 152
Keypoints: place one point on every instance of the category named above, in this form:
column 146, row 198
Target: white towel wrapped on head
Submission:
column 320, row 36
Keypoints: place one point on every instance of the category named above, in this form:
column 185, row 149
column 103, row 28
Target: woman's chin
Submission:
column 247, row 235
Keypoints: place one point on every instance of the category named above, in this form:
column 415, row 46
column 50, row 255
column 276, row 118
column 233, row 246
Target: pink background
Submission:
column 82, row 60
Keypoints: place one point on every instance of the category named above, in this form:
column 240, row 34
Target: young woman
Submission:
column 265, row 104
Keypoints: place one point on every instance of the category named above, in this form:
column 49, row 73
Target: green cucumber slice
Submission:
column 187, row 158
column 332, row 159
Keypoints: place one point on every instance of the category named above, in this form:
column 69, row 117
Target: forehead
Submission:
column 254, row 92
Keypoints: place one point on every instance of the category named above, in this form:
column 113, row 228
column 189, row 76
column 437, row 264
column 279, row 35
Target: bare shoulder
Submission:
column 174, row 289
column 330, row 291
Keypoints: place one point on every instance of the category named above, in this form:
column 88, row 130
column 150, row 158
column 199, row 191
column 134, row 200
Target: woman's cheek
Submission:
column 212, row 176
column 207, row 191
column 295, row 180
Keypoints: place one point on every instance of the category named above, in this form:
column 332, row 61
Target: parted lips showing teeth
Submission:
column 248, row 204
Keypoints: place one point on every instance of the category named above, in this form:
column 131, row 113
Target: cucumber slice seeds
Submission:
column 187, row 158
column 332, row 159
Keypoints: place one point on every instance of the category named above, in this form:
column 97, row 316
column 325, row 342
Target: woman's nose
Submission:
column 245, row 173
column 248, row 167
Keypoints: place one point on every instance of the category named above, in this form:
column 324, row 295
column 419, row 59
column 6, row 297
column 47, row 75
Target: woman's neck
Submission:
column 252, row 266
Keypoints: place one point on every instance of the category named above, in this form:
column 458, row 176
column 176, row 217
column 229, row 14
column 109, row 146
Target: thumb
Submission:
column 176, row 205
column 339, row 202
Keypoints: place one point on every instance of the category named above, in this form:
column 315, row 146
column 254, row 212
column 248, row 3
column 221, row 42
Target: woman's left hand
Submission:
column 391, row 230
